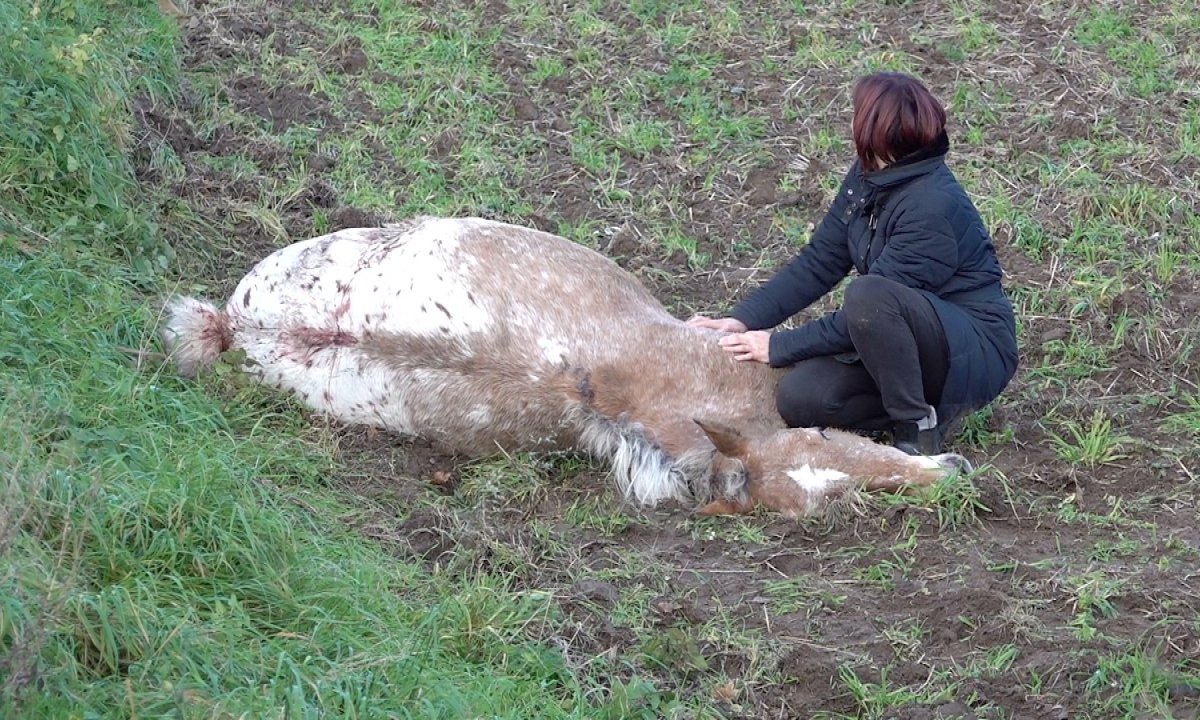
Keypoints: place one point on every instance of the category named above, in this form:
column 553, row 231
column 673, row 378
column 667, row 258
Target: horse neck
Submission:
column 681, row 375
column 727, row 389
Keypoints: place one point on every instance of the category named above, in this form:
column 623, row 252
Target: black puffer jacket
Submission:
column 913, row 223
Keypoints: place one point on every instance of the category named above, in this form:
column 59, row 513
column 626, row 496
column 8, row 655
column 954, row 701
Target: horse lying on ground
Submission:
column 482, row 336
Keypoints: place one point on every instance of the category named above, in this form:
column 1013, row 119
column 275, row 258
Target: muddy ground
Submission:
column 882, row 588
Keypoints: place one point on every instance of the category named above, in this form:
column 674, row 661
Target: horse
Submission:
column 484, row 337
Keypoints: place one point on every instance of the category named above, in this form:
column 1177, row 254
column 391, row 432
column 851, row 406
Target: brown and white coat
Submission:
column 483, row 336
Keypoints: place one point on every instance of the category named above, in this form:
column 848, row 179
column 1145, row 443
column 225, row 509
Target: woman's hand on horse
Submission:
column 754, row 345
column 725, row 325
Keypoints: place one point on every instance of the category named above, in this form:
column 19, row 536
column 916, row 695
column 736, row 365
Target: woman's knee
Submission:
column 809, row 396
column 797, row 402
column 866, row 297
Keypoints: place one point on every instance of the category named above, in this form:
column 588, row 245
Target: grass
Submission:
column 169, row 549
column 874, row 700
column 1139, row 683
column 188, row 552
column 199, row 549
column 1095, row 443
column 792, row 595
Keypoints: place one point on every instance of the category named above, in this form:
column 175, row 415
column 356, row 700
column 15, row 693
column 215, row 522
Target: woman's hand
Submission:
column 754, row 345
column 725, row 325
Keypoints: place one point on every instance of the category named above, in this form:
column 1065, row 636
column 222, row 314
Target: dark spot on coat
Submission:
column 343, row 288
column 308, row 364
column 246, row 298
column 584, row 385
column 273, row 286
column 471, row 298
column 444, row 310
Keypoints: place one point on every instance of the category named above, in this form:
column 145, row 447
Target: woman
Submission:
column 926, row 332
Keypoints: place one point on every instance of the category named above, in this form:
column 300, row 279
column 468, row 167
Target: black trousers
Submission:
column 896, row 372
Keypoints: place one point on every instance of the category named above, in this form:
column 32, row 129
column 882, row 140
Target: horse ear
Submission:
column 729, row 441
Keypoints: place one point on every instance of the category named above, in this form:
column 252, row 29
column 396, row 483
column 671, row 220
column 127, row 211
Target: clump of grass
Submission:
column 801, row 595
column 1090, row 445
column 954, row 500
column 875, row 699
column 1140, row 683
column 1187, row 420
column 976, row 433
column 607, row 516
column 66, row 69
column 1093, row 597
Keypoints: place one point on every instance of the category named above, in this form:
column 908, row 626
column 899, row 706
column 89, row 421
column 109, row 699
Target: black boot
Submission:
column 907, row 436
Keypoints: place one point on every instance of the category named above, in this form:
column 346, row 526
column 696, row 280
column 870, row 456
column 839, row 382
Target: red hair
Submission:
column 894, row 115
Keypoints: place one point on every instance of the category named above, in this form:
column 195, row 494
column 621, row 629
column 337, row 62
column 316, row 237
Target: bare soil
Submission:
column 1013, row 577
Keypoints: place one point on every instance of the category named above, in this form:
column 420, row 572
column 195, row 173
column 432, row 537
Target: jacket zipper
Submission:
column 872, row 223
column 877, row 203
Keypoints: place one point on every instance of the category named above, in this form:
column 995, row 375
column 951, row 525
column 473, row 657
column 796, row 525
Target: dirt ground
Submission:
column 860, row 579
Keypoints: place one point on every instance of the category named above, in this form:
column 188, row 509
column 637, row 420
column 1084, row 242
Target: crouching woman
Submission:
column 925, row 332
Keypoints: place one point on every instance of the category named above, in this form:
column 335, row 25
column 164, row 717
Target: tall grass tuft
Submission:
column 67, row 71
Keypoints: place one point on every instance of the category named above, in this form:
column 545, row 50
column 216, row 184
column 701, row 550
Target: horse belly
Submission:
column 465, row 413
column 336, row 380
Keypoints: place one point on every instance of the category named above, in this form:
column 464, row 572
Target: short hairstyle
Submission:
column 894, row 115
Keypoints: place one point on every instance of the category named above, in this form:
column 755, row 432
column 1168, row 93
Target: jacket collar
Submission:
column 915, row 164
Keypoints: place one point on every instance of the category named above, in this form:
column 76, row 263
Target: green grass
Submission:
column 190, row 552
column 194, row 549
column 793, row 595
column 1091, row 444
column 1140, row 683
column 875, row 699
column 166, row 548
column 67, row 125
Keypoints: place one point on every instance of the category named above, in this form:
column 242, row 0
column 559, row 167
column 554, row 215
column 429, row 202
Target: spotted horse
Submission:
column 487, row 337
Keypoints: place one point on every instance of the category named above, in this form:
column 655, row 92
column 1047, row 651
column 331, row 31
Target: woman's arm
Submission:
column 921, row 253
column 815, row 270
column 827, row 335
